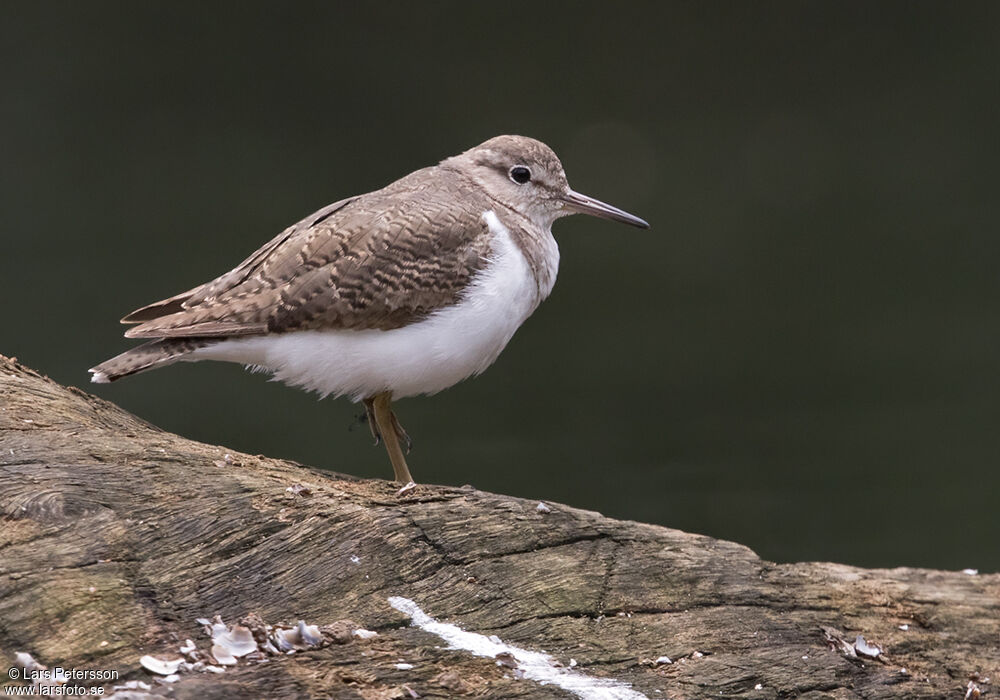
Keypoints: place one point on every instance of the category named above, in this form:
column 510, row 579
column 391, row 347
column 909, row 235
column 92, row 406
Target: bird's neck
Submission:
column 536, row 244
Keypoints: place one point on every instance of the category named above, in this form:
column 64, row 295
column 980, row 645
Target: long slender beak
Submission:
column 583, row 204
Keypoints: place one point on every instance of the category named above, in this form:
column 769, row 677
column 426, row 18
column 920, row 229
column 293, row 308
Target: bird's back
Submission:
column 377, row 261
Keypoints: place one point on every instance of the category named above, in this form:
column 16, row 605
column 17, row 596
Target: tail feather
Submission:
column 151, row 355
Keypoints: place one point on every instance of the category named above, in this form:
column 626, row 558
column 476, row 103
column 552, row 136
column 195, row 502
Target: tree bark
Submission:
column 118, row 536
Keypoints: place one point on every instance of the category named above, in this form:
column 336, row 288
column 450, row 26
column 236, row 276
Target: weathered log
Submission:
column 117, row 537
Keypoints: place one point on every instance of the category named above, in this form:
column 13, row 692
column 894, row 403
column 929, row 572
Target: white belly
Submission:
column 423, row 358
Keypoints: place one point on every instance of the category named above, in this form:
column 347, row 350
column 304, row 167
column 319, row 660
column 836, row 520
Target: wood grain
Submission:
column 117, row 532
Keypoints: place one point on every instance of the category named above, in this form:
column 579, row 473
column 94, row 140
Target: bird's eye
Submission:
column 520, row 174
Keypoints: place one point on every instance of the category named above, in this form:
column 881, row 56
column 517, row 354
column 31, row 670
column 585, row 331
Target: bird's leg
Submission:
column 400, row 433
column 382, row 406
column 372, row 425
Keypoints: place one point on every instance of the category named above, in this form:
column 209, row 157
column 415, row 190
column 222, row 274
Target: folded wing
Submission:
column 378, row 261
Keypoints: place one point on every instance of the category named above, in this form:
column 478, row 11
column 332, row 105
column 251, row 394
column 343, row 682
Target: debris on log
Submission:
column 195, row 571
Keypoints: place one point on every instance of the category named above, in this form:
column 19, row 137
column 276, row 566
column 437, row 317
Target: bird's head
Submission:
column 526, row 175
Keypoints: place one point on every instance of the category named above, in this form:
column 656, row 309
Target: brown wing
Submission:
column 234, row 277
column 381, row 261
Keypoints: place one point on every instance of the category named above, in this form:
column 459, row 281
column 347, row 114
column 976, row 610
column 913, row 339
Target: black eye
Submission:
column 520, row 174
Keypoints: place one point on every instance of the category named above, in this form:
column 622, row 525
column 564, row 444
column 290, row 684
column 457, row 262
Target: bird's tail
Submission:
column 151, row 355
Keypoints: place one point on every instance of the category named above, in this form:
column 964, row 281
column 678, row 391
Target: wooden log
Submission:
column 118, row 536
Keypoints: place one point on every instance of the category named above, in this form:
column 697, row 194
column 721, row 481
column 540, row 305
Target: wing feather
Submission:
column 234, row 277
column 378, row 261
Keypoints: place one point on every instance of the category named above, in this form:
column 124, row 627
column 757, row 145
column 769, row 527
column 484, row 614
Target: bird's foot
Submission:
column 406, row 489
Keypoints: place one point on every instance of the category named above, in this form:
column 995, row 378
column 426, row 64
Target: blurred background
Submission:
column 799, row 355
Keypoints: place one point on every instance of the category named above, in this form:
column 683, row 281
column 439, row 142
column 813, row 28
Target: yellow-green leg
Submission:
column 391, row 432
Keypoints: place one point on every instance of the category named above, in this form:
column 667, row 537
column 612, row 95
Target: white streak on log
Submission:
column 535, row 665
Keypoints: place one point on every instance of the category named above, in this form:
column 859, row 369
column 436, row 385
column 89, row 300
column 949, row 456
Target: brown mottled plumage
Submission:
column 375, row 261
column 459, row 254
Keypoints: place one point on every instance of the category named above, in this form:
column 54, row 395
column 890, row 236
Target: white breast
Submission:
column 423, row 358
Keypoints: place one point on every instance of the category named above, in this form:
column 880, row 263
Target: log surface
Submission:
column 118, row 536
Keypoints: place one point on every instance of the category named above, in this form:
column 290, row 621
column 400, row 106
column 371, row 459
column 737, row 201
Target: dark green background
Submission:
column 800, row 355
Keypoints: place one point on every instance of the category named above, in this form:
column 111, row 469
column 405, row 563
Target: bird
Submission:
column 399, row 292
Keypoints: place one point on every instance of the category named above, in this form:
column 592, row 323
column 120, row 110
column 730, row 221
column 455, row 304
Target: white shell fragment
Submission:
column 222, row 655
column 26, row 661
column 301, row 637
column 309, row 634
column 364, row 634
column 970, row 572
column 217, row 627
column 404, row 667
column 253, row 640
column 282, row 641
column 56, row 678
column 133, row 685
column 663, row 661
column 863, row 648
column 160, row 667
column 237, row 640
column 542, row 508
